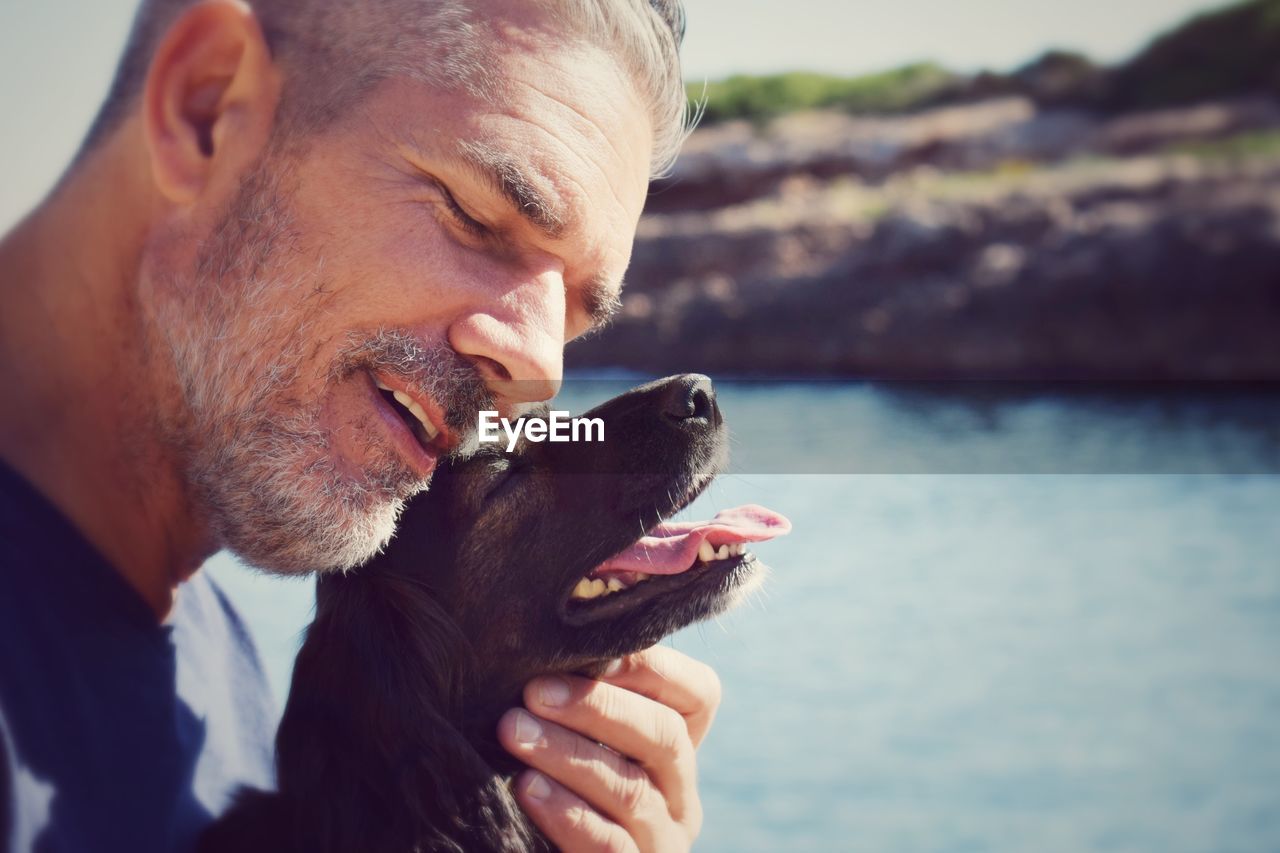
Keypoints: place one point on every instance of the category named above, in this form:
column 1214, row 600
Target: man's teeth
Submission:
column 588, row 588
column 417, row 411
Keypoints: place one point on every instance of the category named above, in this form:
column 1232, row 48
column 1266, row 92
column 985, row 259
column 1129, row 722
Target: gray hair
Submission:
column 332, row 52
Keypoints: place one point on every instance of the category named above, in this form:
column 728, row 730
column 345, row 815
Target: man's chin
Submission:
column 338, row 548
column 286, row 500
column 331, row 535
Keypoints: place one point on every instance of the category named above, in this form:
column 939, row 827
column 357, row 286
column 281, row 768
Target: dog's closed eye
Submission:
column 504, row 475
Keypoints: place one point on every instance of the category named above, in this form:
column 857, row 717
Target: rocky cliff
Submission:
column 995, row 239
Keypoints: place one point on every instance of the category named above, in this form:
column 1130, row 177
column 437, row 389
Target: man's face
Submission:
column 435, row 245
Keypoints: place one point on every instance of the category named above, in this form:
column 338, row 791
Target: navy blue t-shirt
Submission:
column 117, row 732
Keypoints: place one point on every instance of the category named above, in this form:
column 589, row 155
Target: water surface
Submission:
column 1047, row 622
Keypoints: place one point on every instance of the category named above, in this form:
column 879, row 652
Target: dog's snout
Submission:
column 690, row 396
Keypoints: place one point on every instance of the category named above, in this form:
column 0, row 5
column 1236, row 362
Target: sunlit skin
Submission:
column 427, row 242
column 392, row 224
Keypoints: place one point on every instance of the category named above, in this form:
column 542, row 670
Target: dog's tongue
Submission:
column 670, row 548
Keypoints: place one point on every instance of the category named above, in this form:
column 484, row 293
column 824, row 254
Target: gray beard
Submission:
column 275, row 497
column 259, row 464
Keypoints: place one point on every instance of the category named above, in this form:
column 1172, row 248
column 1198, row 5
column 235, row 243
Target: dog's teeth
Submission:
column 738, row 549
column 706, row 553
column 641, row 577
column 589, row 588
column 723, row 553
column 380, row 385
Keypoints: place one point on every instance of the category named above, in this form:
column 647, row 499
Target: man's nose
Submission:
column 517, row 344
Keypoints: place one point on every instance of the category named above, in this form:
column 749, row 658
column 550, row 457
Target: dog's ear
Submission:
column 383, row 666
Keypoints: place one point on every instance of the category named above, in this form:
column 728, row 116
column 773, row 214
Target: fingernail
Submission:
column 528, row 729
column 553, row 692
column 537, row 789
column 614, row 667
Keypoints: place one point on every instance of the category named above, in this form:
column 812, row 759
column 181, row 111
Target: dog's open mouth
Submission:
column 673, row 553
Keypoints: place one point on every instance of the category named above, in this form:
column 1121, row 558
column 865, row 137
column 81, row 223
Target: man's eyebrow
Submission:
column 601, row 301
column 505, row 174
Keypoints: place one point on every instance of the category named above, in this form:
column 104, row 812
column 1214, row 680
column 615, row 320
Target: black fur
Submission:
column 388, row 742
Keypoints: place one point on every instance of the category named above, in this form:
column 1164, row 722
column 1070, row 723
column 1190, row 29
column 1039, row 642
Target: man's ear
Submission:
column 210, row 98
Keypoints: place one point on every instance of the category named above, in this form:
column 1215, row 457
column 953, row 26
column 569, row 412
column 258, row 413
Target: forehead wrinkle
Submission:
column 575, row 151
column 584, row 119
column 505, row 174
column 573, row 181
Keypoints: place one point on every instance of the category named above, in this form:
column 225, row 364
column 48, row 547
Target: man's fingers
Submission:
column 673, row 679
column 568, row 822
column 646, row 731
column 606, row 780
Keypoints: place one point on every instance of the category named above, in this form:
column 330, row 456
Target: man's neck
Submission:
column 79, row 379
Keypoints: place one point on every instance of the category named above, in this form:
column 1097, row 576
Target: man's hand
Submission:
column 637, row 792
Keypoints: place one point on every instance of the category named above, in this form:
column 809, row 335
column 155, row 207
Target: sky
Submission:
column 56, row 56
column 853, row 36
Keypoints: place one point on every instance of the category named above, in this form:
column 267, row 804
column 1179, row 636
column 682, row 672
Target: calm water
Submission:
column 1011, row 661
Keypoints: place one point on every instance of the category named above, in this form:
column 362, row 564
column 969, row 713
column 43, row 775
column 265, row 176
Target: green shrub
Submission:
column 1229, row 51
column 1259, row 144
column 1232, row 50
column 762, row 97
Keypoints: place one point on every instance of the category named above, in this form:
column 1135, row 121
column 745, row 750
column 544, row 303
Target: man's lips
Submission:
column 421, row 456
column 430, row 416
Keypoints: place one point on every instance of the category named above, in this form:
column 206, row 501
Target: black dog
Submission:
column 511, row 565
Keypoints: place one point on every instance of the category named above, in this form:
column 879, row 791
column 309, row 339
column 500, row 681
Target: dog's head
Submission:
column 549, row 557
column 555, row 556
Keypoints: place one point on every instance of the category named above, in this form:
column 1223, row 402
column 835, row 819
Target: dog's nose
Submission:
column 690, row 396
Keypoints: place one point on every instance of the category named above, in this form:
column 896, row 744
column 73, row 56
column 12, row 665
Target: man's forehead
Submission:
column 518, row 175
column 558, row 123
column 565, row 142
